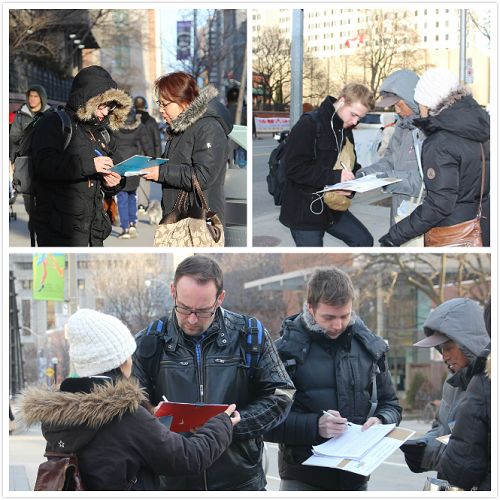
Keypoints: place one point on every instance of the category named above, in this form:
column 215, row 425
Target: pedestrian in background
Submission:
column 313, row 161
column 69, row 183
column 151, row 125
column 36, row 103
column 199, row 353
column 402, row 156
column 457, row 133
column 339, row 366
column 456, row 329
column 466, row 460
column 131, row 139
column 98, row 415
column 198, row 126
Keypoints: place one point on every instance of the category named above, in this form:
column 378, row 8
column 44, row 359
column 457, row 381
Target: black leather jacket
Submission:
column 222, row 376
column 330, row 374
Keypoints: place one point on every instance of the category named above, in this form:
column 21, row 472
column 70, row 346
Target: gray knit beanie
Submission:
column 98, row 342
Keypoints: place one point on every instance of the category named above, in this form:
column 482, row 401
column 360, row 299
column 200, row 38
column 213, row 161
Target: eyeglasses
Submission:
column 200, row 313
column 110, row 105
column 164, row 105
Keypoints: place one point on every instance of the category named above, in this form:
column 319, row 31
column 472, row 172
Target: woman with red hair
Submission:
column 197, row 129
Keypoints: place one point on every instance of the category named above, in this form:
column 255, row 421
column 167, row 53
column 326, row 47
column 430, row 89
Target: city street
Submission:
column 372, row 208
column 26, row 450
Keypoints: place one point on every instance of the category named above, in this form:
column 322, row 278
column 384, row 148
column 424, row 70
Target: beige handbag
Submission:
column 188, row 224
column 346, row 161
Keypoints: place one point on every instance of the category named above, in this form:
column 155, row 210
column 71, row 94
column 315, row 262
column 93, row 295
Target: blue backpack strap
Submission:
column 254, row 340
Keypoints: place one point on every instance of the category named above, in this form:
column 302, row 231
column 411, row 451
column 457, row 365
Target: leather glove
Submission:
column 414, row 452
column 385, row 241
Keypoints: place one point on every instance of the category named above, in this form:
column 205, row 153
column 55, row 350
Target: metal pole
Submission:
column 195, row 44
column 239, row 106
column 296, row 63
column 463, row 44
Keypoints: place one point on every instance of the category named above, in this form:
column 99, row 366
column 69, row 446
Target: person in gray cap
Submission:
column 400, row 158
column 457, row 330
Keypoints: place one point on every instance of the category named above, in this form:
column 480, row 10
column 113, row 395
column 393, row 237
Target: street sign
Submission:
column 49, row 372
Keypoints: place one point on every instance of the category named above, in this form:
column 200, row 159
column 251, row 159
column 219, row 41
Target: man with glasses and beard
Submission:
column 340, row 370
column 199, row 354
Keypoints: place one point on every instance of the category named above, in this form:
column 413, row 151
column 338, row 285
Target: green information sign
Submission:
column 48, row 276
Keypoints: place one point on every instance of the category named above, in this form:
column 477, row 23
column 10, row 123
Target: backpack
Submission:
column 59, row 473
column 276, row 178
column 252, row 340
column 23, row 164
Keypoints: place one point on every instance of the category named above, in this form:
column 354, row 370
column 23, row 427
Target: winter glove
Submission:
column 385, row 241
column 360, row 173
column 414, row 452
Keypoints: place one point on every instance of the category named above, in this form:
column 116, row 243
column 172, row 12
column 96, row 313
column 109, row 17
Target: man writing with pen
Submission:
column 320, row 151
column 340, row 372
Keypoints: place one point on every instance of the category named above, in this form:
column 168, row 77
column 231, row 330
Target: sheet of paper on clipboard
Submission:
column 187, row 416
column 361, row 185
column 134, row 165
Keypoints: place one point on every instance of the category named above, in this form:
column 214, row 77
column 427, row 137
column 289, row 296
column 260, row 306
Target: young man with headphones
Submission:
column 320, row 151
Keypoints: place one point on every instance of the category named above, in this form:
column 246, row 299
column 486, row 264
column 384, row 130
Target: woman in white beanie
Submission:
column 98, row 416
column 457, row 133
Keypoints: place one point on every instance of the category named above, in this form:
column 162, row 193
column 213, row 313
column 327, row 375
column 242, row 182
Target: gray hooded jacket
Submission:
column 400, row 158
column 462, row 321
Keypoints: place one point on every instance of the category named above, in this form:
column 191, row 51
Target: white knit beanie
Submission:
column 98, row 342
column 434, row 85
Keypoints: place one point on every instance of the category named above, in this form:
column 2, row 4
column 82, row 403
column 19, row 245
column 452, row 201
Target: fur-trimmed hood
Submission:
column 204, row 105
column 93, row 86
column 93, row 409
column 459, row 114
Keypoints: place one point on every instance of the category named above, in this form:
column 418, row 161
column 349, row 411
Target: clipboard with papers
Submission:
column 187, row 416
column 134, row 165
column 357, row 451
column 361, row 185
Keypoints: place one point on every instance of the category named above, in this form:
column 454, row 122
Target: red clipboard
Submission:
column 186, row 416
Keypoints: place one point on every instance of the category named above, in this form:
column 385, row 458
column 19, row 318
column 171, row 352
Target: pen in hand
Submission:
column 330, row 415
column 98, row 153
column 165, row 399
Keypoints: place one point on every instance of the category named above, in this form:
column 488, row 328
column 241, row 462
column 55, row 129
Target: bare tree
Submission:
column 128, row 292
column 271, row 61
column 38, row 35
column 389, row 42
column 315, row 79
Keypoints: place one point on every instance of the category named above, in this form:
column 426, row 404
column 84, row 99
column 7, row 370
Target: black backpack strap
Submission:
column 151, row 346
column 67, row 129
column 253, row 342
column 315, row 116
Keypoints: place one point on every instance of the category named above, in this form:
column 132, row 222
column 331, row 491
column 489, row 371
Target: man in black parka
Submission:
column 69, row 183
column 339, row 366
column 313, row 161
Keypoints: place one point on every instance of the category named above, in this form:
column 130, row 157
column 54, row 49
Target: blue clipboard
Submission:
column 135, row 164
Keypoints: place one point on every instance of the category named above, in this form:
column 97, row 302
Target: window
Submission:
column 26, row 284
column 437, row 24
column 82, row 264
column 27, row 266
column 425, row 38
column 81, row 284
column 26, row 314
column 437, row 38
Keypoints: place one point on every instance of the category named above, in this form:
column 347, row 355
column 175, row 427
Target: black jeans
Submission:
column 347, row 228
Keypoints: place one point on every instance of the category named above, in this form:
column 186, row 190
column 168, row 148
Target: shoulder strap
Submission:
column 67, row 129
column 253, row 343
column 483, row 175
column 315, row 117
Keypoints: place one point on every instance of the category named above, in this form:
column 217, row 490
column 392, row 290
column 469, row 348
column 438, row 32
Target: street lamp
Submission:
column 54, row 367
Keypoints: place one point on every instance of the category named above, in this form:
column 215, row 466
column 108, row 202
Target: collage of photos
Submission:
column 198, row 348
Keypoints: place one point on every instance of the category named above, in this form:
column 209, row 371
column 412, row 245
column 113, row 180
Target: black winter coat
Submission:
column 329, row 374
column 197, row 140
column 221, row 377
column 119, row 444
column 68, row 191
column 133, row 139
column 153, row 132
column 306, row 175
column 466, row 460
column 451, row 161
